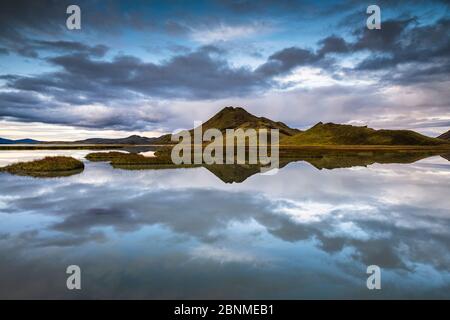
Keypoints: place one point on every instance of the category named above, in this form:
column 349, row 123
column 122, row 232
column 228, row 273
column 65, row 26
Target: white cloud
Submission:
column 224, row 32
column 222, row 255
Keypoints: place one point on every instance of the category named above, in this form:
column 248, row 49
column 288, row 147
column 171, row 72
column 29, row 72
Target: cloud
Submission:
column 332, row 44
column 90, row 84
column 198, row 74
column 123, row 82
column 70, row 46
column 286, row 60
column 223, row 32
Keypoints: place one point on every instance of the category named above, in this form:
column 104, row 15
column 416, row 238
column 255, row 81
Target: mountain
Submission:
column 134, row 139
column 239, row 118
column 21, row 141
column 320, row 134
column 445, row 136
column 339, row 134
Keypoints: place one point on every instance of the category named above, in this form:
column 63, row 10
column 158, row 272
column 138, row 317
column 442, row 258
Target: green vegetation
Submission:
column 121, row 158
column 47, row 167
column 338, row 134
column 104, row 156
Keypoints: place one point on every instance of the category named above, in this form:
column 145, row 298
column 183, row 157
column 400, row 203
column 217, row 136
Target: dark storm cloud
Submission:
column 285, row 60
column 83, row 79
column 70, row 46
column 381, row 40
column 83, row 75
column 398, row 42
column 31, row 48
column 332, row 44
column 47, row 18
column 17, row 18
column 403, row 43
column 200, row 74
column 42, row 15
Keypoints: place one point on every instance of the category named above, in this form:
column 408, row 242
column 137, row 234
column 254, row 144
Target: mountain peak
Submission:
column 232, row 109
column 318, row 124
column 237, row 117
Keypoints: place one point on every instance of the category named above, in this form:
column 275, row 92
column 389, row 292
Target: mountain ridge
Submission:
column 345, row 134
column 133, row 139
column 19, row 141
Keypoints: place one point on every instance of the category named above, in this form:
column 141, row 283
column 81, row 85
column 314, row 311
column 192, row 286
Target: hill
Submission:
column 134, row 139
column 20, row 141
column 339, row 134
column 445, row 136
column 236, row 118
column 239, row 118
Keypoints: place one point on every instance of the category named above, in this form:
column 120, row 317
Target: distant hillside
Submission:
column 445, row 136
column 134, row 139
column 338, row 134
column 20, row 141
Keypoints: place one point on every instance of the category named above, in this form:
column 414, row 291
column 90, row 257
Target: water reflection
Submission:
column 11, row 156
column 183, row 233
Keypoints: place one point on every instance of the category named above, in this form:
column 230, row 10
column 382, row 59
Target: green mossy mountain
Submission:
column 239, row 118
column 339, row 134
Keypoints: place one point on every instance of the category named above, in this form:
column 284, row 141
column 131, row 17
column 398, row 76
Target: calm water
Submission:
column 10, row 156
column 184, row 233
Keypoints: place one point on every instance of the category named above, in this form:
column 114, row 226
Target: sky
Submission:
column 152, row 67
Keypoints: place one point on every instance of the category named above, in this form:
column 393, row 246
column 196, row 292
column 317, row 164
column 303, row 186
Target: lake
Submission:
column 186, row 234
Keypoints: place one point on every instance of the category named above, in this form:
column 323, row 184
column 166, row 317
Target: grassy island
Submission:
column 47, row 167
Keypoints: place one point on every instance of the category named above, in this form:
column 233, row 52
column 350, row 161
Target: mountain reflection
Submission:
column 320, row 159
